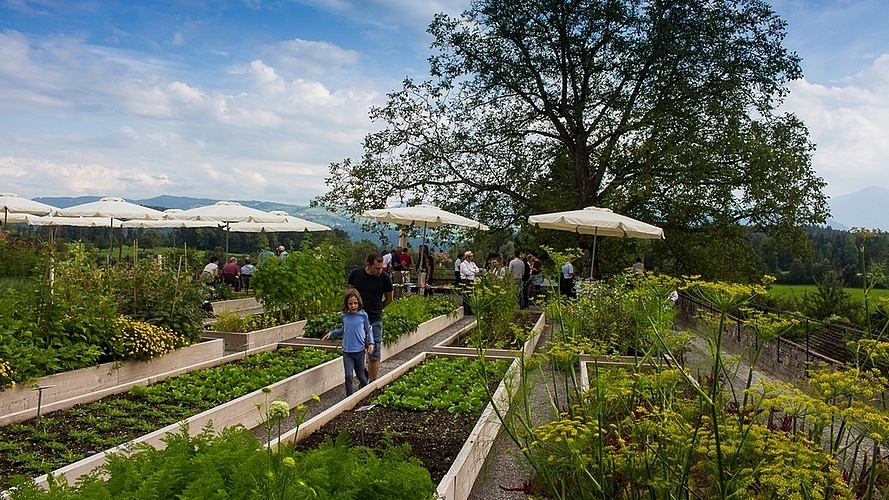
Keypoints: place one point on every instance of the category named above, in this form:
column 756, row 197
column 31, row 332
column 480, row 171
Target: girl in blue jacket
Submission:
column 357, row 339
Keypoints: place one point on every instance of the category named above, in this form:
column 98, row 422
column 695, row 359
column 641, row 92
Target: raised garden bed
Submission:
column 456, row 344
column 247, row 304
column 242, row 410
column 236, row 342
column 456, row 458
column 64, row 390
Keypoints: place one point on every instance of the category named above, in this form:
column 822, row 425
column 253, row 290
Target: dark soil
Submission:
column 435, row 437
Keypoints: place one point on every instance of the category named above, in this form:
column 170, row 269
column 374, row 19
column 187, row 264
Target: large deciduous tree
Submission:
column 664, row 110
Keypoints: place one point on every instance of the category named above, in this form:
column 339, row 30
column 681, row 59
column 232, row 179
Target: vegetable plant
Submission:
column 458, row 385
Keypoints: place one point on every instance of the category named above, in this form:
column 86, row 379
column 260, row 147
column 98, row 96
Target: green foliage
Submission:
column 458, row 385
column 308, row 281
column 494, row 301
column 319, row 325
column 71, row 322
column 214, row 386
column 832, row 300
column 113, row 421
column 232, row 321
column 233, row 465
column 404, row 315
column 25, row 256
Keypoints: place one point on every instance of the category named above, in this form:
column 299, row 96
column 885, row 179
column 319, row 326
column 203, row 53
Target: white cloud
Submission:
column 106, row 121
column 311, row 59
column 848, row 121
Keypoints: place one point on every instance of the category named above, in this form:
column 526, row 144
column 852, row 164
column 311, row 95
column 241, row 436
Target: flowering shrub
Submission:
column 141, row 341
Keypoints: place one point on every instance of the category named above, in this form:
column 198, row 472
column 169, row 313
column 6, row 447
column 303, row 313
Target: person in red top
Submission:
column 231, row 273
column 405, row 261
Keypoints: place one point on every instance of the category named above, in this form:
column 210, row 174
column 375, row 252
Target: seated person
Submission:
column 231, row 274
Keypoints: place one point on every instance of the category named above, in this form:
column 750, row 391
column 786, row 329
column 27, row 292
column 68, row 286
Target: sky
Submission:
column 253, row 99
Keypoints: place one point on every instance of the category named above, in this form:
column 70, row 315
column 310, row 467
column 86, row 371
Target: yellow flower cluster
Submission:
column 6, row 375
column 142, row 341
column 831, row 385
column 768, row 325
column 573, row 432
column 724, row 296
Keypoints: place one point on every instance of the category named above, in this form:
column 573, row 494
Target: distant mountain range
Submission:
column 867, row 208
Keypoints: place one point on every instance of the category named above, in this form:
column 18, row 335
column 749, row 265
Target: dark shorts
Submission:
column 376, row 328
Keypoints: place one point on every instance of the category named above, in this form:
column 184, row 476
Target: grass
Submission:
column 799, row 291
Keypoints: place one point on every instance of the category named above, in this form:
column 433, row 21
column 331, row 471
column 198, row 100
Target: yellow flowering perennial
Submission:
column 5, row 375
column 141, row 341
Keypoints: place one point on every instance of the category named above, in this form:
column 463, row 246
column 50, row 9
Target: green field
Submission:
column 800, row 290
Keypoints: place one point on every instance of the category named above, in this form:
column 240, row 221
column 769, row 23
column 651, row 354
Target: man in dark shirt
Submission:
column 375, row 288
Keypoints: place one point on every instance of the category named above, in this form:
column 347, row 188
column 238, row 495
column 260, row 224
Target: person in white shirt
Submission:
column 246, row 274
column 468, row 268
column 639, row 267
column 468, row 271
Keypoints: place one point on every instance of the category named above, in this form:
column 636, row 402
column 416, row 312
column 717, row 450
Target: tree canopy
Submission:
column 663, row 110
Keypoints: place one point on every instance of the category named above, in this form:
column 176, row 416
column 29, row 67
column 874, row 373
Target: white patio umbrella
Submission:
column 168, row 224
column 58, row 221
column 598, row 222
column 111, row 207
column 227, row 212
column 290, row 224
column 427, row 215
column 18, row 206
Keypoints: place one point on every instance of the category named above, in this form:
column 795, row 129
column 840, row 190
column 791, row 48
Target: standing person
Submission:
column 247, row 273
column 265, row 255
column 282, row 252
column 495, row 266
column 430, row 275
column 468, row 271
column 387, row 261
column 406, row 261
column 566, row 287
column 457, row 263
column 638, row 266
column 397, row 267
column 517, row 268
column 356, row 334
column 375, row 288
column 536, row 274
column 420, row 267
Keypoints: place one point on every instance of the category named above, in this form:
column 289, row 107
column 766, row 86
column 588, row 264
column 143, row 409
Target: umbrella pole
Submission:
column 226, row 240
column 593, row 261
